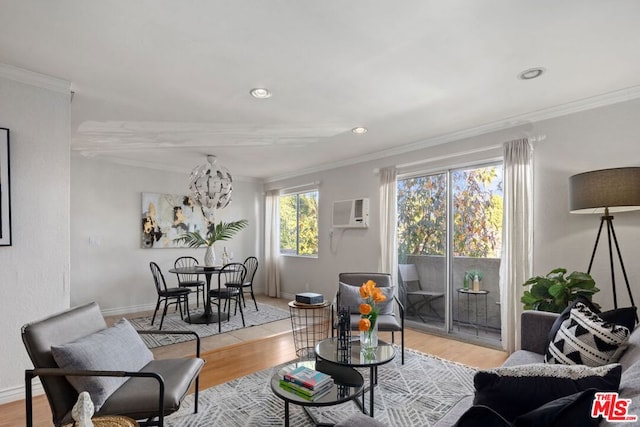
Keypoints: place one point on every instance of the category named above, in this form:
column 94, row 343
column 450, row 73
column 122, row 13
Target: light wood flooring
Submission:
column 241, row 352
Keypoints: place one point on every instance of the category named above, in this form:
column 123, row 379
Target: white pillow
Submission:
column 118, row 348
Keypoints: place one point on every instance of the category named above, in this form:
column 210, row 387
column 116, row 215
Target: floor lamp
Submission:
column 604, row 192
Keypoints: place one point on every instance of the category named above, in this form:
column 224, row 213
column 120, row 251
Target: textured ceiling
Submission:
column 162, row 83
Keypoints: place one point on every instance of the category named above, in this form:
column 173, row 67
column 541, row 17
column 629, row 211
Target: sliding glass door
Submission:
column 449, row 242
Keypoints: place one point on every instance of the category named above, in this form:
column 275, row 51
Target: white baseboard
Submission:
column 12, row 394
column 126, row 310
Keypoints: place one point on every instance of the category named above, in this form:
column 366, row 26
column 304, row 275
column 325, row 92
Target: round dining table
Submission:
column 208, row 316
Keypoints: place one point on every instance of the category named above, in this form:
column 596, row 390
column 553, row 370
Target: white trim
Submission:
column 35, row 79
column 126, row 310
column 584, row 104
column 12, row 394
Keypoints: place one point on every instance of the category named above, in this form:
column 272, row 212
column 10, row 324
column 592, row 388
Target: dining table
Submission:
column 208, row 316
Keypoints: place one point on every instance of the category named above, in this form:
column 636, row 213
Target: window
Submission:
column 299, row 224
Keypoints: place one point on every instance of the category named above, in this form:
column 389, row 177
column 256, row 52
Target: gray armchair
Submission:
column 388, row 322
column 148, row 394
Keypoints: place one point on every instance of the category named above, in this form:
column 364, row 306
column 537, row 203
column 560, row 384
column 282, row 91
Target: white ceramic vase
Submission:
column 210, row 257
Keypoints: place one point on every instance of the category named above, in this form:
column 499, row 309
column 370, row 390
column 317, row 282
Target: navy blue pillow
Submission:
column 514, row 391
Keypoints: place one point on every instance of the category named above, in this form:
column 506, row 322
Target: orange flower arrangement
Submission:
column 368, row 309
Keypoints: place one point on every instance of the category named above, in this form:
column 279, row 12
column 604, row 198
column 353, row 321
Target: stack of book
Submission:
column 305, row 382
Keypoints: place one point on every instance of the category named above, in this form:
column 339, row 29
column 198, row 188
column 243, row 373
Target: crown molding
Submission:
column 584, row 104
column 35, row 79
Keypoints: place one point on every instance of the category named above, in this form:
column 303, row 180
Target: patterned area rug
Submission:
column 417, row 393
column 172, row 322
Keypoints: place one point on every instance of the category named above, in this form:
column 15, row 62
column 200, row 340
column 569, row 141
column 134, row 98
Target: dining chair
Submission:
column 186, row 280
column 232, row 273
column 251, row 264
column 170, row 296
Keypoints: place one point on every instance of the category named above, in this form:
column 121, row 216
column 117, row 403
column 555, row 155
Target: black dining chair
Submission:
column 231, row 274
column 251, row 264
column 178, row 296
column 190, row 280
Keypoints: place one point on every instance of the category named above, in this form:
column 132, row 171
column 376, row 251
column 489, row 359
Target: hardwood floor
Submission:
column 244, row 352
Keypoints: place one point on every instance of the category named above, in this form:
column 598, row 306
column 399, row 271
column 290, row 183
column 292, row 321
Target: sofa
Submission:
column 535, row 327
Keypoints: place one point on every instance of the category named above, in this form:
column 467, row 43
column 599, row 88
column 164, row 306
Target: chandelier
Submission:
column 210, row 187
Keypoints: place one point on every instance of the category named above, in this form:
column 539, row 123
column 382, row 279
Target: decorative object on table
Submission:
column 602, row 192
column 308, row 378
column 210, row 186
column 5, row 189
column 165, row 217
column 368, row 325
column 310, row 298
column 344, row 335
column 83, row 410
column 555, row 291
column 215, row 233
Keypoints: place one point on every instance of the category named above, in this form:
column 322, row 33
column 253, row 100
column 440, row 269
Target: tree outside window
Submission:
column 477, row 213
column 299, row 224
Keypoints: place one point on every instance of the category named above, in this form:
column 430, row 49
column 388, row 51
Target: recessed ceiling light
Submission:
column 531, row 73
column 359, row 130
column 260, row 93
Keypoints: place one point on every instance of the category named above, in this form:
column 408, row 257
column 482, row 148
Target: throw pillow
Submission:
column 118, row 348
column 620, row 316
column 567, row 411
column 350, row 297
column 516, row 390
column 585, row 338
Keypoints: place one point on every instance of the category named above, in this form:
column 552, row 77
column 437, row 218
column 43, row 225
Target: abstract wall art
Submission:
column 166, row 217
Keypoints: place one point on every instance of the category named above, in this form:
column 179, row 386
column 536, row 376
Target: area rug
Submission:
column 172, row 322
column 417, row 393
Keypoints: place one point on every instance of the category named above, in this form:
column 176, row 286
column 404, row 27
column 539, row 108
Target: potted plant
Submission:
column 555, row 291
column 215, row 232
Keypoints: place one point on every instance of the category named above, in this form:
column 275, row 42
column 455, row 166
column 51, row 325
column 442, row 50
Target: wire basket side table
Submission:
column 310, row 324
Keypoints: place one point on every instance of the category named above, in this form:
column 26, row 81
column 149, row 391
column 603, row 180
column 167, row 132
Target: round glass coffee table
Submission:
column 347, row 385
column 327, row 350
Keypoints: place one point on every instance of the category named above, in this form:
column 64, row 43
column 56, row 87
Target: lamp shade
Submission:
column 617, row 189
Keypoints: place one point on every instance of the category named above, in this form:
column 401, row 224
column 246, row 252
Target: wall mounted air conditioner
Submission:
column 351, row 213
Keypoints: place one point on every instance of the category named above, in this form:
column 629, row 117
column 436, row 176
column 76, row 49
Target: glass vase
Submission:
column 369, row 342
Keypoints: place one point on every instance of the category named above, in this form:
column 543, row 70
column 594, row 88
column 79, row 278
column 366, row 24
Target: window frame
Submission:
column 297, row 192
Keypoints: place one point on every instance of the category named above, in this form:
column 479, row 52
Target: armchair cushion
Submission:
column 117, row 348
column 350, row 297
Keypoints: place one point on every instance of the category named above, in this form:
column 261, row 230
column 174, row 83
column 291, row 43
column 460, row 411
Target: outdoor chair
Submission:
column 348, row 296
column 417, row 298
column 76, row 346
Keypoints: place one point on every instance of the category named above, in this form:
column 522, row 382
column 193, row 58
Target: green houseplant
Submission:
column 555, row 291
column 215, row 232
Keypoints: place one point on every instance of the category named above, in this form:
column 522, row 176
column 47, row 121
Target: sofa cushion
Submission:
column 585, row 338
column 620, row 316
column 567, row 411
column 118, row 348
column 513, row 391
column 350, row 297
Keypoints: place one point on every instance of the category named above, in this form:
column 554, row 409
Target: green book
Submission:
column 303, row 392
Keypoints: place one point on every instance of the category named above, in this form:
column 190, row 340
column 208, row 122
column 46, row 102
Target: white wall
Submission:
column 106, row 203
column 600, row 138
column 34, row 271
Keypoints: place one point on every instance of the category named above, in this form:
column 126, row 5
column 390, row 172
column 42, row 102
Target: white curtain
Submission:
column 517, row 237
column 271, row 244
column 388, row 250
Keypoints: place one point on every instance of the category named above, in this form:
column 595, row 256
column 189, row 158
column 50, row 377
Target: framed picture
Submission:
column 5, row 189
column 166, row 217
